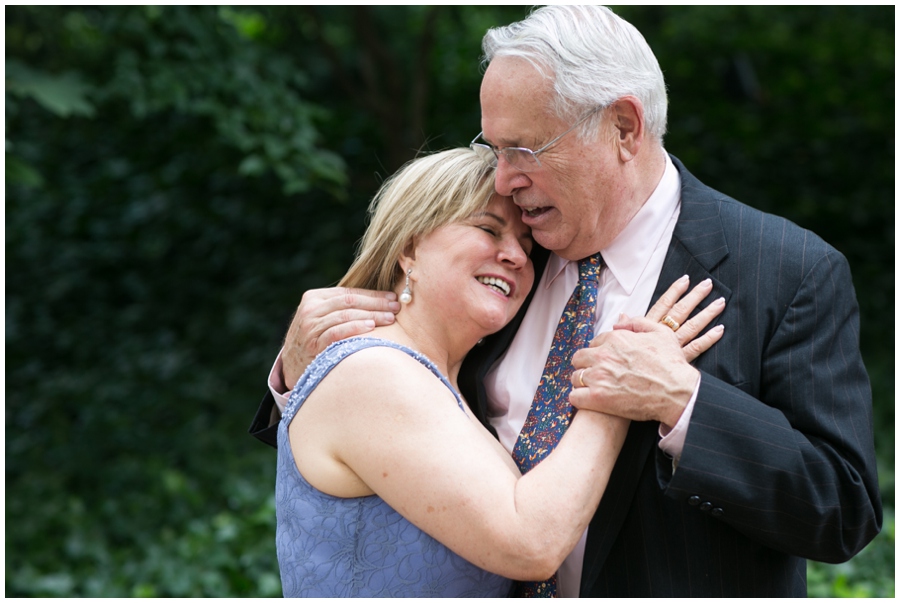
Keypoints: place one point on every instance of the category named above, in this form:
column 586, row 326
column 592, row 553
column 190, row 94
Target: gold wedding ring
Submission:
column 670, row 322
column 580, row 380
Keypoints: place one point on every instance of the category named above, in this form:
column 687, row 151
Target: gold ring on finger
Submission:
column 670, row 322
column 580, row 380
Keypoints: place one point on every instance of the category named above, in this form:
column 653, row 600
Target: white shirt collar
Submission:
column 628, row 255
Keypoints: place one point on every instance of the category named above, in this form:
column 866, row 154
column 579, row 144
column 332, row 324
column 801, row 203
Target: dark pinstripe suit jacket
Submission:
column 779, row 462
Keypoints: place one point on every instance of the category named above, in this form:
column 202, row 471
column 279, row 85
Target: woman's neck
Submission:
column 443, row 344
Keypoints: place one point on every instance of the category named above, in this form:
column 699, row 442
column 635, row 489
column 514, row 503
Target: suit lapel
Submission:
column 698, row 245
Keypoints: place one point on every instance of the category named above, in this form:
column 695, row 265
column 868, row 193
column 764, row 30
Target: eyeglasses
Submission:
column 524, row 160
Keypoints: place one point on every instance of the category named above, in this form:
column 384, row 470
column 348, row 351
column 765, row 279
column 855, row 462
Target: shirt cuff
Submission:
column 672, row 442
column 276, row 384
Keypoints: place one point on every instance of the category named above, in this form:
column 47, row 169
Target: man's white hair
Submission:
column 593, row 57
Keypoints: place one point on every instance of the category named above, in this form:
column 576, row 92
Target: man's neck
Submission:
column 648, row 171
column 643, row 175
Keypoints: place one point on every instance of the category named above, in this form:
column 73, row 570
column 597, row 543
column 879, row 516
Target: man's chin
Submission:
column 547, row 239
column 564, row 249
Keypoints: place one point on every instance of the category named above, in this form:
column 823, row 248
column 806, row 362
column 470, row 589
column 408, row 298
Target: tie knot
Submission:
column 589, row 268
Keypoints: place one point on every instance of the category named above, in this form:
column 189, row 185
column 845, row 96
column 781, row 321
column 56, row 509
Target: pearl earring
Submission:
column 406, row 296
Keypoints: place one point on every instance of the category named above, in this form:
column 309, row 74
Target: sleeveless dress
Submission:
column 360, row 547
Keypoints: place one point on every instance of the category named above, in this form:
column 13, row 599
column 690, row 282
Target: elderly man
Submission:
column 737, row 467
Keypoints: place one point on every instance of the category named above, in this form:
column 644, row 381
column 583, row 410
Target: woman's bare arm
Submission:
column 385, row 420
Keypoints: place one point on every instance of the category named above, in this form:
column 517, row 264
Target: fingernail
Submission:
column 720, row 301
column 370, row 324
column 387, row 316
column 391, row 295
column 707, row 282
column 718, row 328
column 684, row 279
column 394, row 306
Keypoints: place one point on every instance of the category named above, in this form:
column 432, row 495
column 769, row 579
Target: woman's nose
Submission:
column 511, row 252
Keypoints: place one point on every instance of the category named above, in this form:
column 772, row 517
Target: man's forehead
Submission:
column 512, row 75
column 514, row 103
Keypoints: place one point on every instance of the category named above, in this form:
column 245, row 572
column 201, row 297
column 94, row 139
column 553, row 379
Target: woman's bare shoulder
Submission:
column 382, row 374
column 382, row 359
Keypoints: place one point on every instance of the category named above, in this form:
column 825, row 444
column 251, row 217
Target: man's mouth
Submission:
column 498, row 285
column 534, row 212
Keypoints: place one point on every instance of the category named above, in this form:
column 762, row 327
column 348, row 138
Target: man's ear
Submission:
column 627, row 116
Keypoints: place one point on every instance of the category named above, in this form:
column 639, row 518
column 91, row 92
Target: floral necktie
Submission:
column 550, row 412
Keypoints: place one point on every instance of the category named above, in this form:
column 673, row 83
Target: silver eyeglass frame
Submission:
column 521, row 158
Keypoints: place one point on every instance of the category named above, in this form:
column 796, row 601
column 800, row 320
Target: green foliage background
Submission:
column 176, row 177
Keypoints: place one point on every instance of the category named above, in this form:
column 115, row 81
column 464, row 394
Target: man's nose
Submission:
column 508, row 179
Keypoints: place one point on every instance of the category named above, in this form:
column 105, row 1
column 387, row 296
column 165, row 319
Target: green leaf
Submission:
column 252, row 165
column 19, row 172
column 63, row 95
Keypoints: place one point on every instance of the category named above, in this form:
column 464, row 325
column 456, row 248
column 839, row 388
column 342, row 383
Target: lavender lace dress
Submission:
column 360, row 547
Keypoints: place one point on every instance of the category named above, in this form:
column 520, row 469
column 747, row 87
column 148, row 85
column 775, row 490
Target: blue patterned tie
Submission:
column 550, row 411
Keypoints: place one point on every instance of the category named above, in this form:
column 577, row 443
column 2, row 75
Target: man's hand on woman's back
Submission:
column 328, row 315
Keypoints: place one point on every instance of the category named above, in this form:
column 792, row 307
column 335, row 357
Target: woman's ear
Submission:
column 408, row 255
column 406, row 262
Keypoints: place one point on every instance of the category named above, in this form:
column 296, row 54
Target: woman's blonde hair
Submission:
column 425, row 194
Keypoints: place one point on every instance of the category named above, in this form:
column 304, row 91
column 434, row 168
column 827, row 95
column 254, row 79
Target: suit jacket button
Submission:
column 706, row 506
column 717, row 512
column 694, row 501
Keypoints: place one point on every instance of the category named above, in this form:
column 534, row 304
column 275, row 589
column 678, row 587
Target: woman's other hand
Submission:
column 671, row 304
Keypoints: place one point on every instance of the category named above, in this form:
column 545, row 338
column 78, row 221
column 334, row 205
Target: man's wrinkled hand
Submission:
column 638, row 374
column 328, row 315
